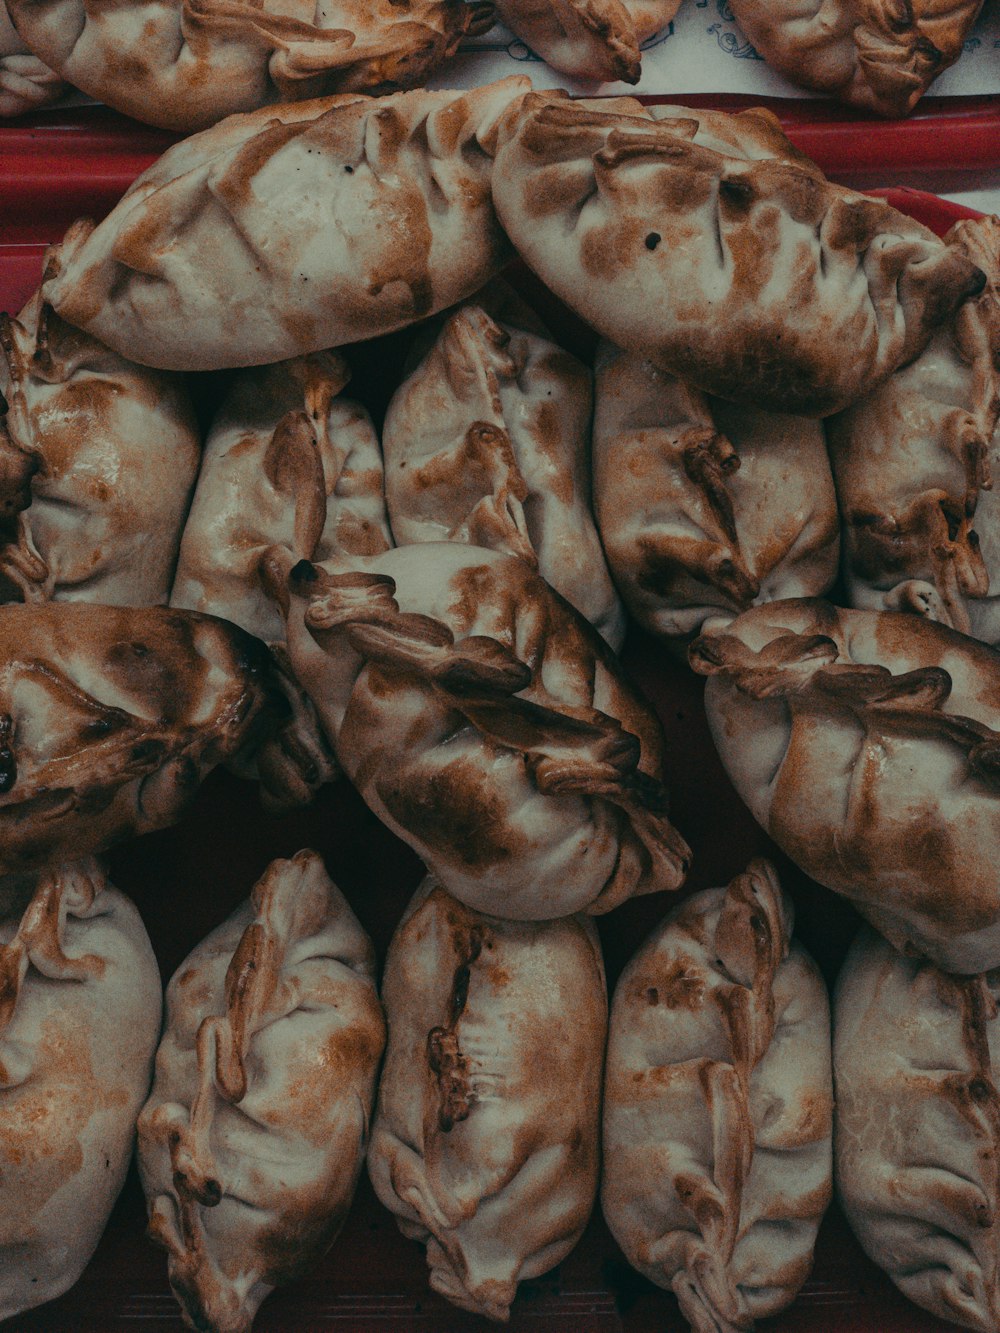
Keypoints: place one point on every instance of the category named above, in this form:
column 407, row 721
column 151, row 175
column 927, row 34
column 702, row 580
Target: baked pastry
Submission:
column 877, row 56
column 916, row 1127
column 79, row 1019
column 597, row 40
column 718, row 1106
column 755, row 134
column 706, row 507
column 745, row 278
column 26, row 83
column 111, row 717
column 186, row 64
column 203, row 264
column 487, row 441
column 253, row 1137
column 867, row 744
column 288, row 462
column 485, row 1141
column 99, row 458
column 488, row 725
column 914, row 464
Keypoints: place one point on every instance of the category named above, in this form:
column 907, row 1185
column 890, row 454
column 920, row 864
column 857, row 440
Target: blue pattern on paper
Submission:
column 731, row 44
column 518, row 51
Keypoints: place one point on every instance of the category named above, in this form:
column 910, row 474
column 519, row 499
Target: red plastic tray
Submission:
column 69, row 164
column 187, row 879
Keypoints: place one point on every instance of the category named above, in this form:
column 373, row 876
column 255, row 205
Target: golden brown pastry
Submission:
column 26, row 83
column 867, row 744
column 186, row 64
column 916, row 1127
column 706, row 507
column 290, row 463
column 598, row 40
column 204, row 264
column 254, row 1135
column 487, row 441
column 881, row 55
column 489, row 726
column 98, row 458
column 718, row 1106
column 485, row 1142
column 915, row 463
column 111, row 717
column 79, row 1019
column 747, row 278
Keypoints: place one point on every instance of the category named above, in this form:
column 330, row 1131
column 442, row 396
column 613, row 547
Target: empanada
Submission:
column 718, row 1106
column 590, row 39
column 705, row 507
column 26, row 83
column 79, row 1019
column 867, row 744
column 185, row 64
column 485, row 1141
column 881, row 55
column 487, row 441
column 205, row 263
column 915, row 1139
column 254, row 1134
column 488, row 725
column 754, row 280
column 111, row 717
column 288, row 463
column 99, row 458
column 915, row 463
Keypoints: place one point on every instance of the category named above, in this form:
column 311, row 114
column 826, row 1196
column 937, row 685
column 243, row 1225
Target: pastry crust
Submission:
column 744, row 277
column 186, row 64
column 289, row 465
column 487, row 441
column 80, row 1006
column 914, row 465
column 488, row 725
column 867, row 744
column 595, row 40
column 718, row 1106
column 880, row 55
column 485, row 1142
column 918, row 1127
column 98, row 458
column 110, row 718
column 253, row 1137
column 706, row 508
column 204, row 264
column 26, row 83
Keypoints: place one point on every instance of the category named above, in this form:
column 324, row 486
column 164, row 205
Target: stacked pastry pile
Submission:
column 426, row 609
column 185, row 64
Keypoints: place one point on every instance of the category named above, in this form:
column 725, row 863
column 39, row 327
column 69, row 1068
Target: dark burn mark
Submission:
column 737, row 192
column 653, row 240
column 8, row 761
column 449, row 1066
column 304, row 572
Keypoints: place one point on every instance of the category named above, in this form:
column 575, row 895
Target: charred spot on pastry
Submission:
column 303, row 572
column 8, row 760
column 736, row 191
column 653, row 239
